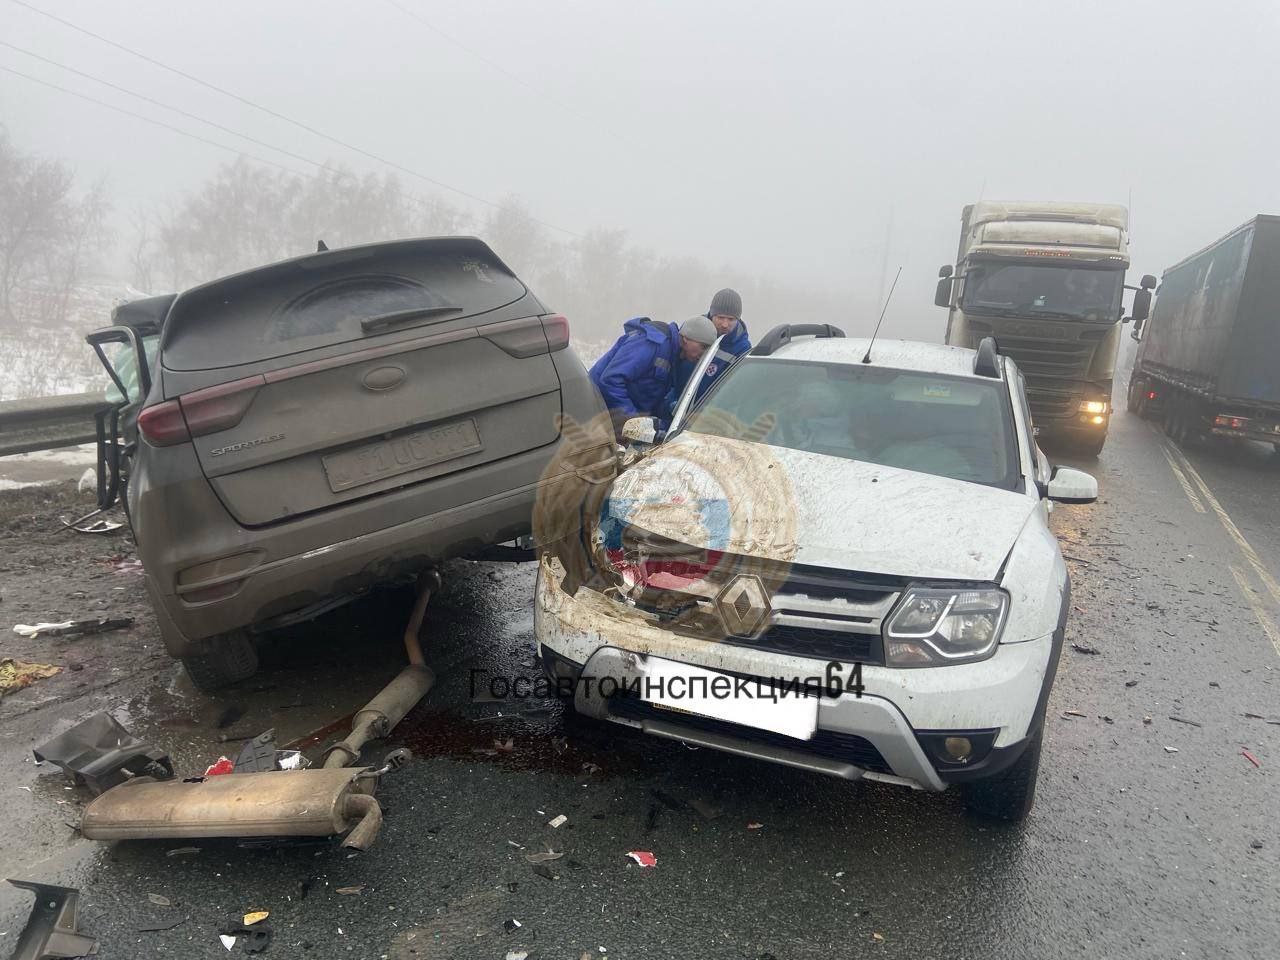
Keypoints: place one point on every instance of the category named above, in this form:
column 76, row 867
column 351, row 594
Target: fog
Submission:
column 818, row 145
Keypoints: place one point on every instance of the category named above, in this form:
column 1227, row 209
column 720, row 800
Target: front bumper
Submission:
column 876, row 735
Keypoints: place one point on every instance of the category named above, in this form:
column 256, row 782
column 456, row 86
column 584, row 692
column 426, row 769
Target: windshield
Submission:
column 955, row 427
column 1077, row 293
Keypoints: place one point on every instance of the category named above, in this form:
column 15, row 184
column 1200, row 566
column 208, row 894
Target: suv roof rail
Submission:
column 782, row 335
column 986, row 364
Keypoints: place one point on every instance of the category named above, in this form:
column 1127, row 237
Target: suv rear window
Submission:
column 321, row 300
column 957, row 427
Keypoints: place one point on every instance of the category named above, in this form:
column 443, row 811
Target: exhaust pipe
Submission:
column 280, row 803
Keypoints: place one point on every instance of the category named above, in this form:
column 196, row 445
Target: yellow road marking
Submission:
column 1259, row 611
column 1182, row 479
column 1233, row 531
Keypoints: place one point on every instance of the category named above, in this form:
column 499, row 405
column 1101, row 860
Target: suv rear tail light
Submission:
column 557, row 328
column 200, row 412
column 162, row 425
column 220, row 407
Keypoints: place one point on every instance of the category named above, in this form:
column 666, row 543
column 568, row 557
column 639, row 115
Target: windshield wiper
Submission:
column 369, row 324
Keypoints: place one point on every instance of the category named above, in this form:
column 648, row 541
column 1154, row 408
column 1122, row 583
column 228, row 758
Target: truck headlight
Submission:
column 1093, row 406
column 931, row 627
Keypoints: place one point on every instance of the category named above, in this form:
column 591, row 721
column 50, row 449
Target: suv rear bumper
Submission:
column 278, row 586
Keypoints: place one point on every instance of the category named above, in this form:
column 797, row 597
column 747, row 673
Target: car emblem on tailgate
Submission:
column 743, row 605
column 245, row 444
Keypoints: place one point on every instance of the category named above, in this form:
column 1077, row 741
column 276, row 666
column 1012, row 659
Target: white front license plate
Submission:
column 673, row 685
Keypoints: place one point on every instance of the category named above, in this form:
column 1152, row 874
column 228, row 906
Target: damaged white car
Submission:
column 838, row 560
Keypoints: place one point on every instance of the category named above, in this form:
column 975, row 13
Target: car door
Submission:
column 690, row 392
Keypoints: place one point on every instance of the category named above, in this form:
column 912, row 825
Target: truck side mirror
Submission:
column 942, row 295
column 1141, row 302
column 1148, row 282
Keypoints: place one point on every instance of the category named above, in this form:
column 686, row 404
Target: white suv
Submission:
column 839, row 560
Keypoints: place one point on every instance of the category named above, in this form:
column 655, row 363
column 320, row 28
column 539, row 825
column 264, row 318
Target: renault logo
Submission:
column 743, row 605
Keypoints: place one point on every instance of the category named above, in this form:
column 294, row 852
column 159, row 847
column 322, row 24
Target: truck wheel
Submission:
column 1010, row 794
column 1091, row 446
column 229, row 659
column 1133, row 399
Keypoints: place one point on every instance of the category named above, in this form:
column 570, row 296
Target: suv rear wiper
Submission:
column 369, row 324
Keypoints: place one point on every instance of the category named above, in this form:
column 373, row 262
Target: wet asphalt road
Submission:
column 1132, row 850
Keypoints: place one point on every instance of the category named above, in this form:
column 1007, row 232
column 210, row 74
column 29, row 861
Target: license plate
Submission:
column 792, row 715
column 388, row 458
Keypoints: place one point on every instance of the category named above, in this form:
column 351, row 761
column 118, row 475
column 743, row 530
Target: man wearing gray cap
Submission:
column 726, row 315
column 636, row 374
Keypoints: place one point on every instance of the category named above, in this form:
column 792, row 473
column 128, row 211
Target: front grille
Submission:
column 817, row 644
column 1068, row 359
column 828, row 744
column 1051, row 404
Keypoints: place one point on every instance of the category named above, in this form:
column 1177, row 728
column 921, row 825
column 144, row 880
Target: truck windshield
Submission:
column 1076, row 293
column 957, row 427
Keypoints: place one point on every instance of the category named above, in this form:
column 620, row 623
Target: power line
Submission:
column 280, row 116
column 161, row 104
column 154, row 122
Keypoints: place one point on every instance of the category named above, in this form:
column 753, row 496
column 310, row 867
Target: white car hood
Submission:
column 818, row 510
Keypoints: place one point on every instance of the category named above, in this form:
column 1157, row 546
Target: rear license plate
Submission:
column 791, row 715
column 387, row 458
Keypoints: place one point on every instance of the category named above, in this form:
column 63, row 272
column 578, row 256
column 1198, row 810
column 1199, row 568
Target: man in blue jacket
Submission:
column 726, row 315
column 635, row 375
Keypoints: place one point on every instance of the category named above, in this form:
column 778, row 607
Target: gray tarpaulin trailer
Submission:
column 1208, row 357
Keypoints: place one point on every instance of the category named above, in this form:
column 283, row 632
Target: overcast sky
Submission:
column 777, row 137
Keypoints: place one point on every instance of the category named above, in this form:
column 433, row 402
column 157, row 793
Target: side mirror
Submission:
column 1148, row 282
column 640, row 432
column 942, row 294
column 1069, row 485
column 1141, row 303
column 945, row 270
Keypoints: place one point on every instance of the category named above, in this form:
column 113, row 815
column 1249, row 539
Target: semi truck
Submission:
column 1207, row 358
column 1047, row 281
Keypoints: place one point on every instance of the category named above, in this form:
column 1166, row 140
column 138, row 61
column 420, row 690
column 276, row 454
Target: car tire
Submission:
column 231, row 658
column 1132, row 400
column 1009, row 794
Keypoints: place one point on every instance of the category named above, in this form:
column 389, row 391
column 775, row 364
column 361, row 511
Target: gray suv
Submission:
column 287, row 437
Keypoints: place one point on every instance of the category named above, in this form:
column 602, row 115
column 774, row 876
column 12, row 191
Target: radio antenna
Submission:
column 892, row 287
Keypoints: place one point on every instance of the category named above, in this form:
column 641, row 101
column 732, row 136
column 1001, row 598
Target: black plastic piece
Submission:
column 101, row 754
column 782, row 335
column 51, row 929
column 258, row 755
column 987, row 363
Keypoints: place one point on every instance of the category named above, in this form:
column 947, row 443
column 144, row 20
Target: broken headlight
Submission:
column 931, row 627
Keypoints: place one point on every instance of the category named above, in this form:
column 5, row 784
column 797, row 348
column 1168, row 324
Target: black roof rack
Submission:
column 781, row 336
column 986, row 364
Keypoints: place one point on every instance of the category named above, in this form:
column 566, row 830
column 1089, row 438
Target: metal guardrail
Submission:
column 45, row 423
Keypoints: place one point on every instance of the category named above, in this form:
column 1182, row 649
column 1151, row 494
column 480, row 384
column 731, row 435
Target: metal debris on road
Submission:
column 50, row 930
column 182, row 851
column 558, row 821
column 158, row 900
column 100, row 753
column 227, row 941
column 1073, row 713
column 1256, row 844
column 1131, row 683
column 1190, row 723
column 511, row 925
column 1170, row 749
column 755, row 825
column 517, row 955
column 1250, row 757
column 349, row 891
column 72, row 628
column 1081, row 648
column 643, row 857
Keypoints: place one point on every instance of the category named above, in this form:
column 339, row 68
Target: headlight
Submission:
column 1093, row 406
column 931, row 627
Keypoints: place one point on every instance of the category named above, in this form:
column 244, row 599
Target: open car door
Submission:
column 690, row 394
column 127, row 350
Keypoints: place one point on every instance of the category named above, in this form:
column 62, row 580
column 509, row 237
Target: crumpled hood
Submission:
column 816, row 510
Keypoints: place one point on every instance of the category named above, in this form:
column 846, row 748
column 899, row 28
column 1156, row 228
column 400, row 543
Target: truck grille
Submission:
column 828, row 744
column 1068, row 359
column 1050, row 404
